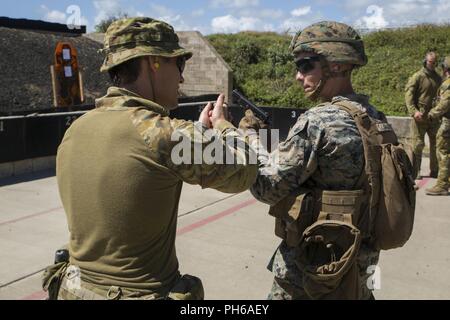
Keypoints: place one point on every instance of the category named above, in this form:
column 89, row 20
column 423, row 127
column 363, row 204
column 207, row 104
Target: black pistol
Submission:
column 247, row 104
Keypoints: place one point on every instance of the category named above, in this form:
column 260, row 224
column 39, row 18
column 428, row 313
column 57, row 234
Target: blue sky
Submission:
column 230, row 16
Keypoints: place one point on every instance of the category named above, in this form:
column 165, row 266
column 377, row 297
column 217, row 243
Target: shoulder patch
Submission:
column 299, row 126
column 384, row 127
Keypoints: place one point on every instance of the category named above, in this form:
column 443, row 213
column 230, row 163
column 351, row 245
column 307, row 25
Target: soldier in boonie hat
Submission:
column 145, row 52
column 131, row 38
column 120, row 175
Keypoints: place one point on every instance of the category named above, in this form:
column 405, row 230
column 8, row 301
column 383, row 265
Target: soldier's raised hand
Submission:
column 205, row 116
column 219, row 112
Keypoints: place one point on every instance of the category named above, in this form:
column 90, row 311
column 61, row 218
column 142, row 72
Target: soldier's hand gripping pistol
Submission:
column 263, row 120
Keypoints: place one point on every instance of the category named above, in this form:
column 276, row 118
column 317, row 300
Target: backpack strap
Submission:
column 362, row 121
column 371, row 174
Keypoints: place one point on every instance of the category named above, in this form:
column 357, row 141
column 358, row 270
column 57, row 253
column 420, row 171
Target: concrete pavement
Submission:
column 226, row 240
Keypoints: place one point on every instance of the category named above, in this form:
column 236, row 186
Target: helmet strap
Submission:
column 326, row 74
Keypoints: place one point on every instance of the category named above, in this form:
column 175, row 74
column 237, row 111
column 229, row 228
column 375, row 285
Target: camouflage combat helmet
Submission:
column 446, row 63
column 131, row 38
column 337, row 42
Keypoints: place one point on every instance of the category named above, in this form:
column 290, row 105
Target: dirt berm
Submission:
column 25, row 59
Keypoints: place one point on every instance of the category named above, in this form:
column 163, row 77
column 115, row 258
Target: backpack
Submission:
column 390, row 168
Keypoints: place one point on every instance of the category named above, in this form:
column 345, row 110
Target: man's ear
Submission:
column 335, row 67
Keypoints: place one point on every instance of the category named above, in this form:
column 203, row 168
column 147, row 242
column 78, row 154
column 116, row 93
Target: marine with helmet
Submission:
column 323, row 151
column 442, row 110
column 119, row 182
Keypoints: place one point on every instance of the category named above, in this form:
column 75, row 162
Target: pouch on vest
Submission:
column 53, row 274
column 390, row 169
column 187, row 288
column 395, row 218
column 327, row 256
column 293, row 215
column 52, row 277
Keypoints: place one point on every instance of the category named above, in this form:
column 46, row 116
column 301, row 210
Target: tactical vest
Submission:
column 327, row 227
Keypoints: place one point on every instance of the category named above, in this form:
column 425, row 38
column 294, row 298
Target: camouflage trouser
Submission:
column 288, row 278
column 419, row 129
column 443, row 151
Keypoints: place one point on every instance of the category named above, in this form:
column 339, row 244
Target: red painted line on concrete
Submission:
column 423, row 182
column 40, row 295
column 30, row 216
column 215, row 217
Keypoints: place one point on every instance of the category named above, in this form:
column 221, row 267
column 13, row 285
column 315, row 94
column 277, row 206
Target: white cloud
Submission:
column 398, row 13
column 72, row 16
column 234, row 3
column 374, row 20
column 166, row 14
column 106, row 9
column 443, row 7
column 294, row 24
column 53, row 15
column 410, row 12
column 176, row 22
column 301, row 11
column 231, row 24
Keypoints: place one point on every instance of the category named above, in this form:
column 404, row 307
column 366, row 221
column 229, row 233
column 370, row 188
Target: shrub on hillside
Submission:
column 264, row 71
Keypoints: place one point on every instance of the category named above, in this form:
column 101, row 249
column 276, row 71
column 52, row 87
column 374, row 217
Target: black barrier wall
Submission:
column 281, row 118
column 30, row 137
column 39, row 135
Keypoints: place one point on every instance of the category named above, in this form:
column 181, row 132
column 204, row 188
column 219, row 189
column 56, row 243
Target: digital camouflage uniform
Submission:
column 323, row 150
column 442, row 110
column 120, row 187
column 420, row 94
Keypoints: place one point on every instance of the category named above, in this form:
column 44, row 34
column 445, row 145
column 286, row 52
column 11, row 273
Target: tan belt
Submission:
column 72, row 288
column 187, row 287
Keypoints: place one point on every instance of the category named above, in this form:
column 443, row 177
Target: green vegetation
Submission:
column 264, row 72
column 104, row 24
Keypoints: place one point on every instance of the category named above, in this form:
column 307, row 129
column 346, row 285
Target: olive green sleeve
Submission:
column 444, row 102
column 218, row 158
column 410, row 92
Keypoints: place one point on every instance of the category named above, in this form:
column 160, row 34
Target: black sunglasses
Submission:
column 306, row 65
column 181, row 64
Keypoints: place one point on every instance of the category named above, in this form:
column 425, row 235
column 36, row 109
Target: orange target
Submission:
column 66, row 78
